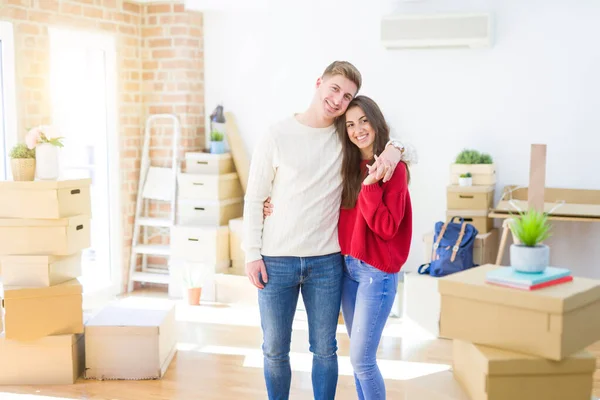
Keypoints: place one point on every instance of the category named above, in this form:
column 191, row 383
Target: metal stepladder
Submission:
column 159, row 184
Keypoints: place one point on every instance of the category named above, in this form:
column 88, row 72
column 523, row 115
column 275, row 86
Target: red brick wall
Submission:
column 160, row 69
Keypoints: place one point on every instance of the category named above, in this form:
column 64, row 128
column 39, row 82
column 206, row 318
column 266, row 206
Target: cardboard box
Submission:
column 485, row 248
column 478, row 218
column 205, row 244
column 238, row 267
column 45, row 199
column 470, row 197
column 51, row 360
column 134, row 338
column 207, row 163
column 40, row 271
column 421, row 302
column 482, row 174
column 487, row 373
column 209, row 212
column 57, row 237
column 241, row 156
column 32, row 313
column 552, row 322
column 236, row 228
column 209, row 187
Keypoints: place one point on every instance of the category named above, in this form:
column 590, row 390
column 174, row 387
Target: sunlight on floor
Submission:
column 14, row 396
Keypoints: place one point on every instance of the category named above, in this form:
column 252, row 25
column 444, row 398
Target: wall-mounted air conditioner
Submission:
column 405, row 31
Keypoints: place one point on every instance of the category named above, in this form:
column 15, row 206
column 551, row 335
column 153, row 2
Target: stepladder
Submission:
column 156, row 184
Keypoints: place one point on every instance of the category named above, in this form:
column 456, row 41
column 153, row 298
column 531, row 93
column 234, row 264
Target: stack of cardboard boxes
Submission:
column 510, row 344
column 209, row 196
column 44, row 226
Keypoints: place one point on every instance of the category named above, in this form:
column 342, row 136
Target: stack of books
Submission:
column 509, row 277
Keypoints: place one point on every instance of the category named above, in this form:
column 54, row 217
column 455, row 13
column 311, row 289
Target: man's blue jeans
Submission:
column 320, row 280
column 367, row 298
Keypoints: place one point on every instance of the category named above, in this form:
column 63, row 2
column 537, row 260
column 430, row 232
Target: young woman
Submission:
column 374, row 231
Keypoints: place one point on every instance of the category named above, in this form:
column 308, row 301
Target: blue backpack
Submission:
column 452, row 249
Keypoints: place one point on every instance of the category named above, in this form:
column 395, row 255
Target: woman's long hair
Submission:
column 352, row 175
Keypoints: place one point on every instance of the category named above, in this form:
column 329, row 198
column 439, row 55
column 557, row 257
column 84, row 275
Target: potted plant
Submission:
column 465, row 179
column 22, row 163
column 194, row 287
column 46, row 142
column 217, row 146
column 531, row 229
column 479, row 165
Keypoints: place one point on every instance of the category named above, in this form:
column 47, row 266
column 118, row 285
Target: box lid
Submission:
column 67, row 221
column 66, row 288
column 42, row 185
column 495, row 361
column 213, row 203
column 471, row 189
column 470, row 284
column 200, row 155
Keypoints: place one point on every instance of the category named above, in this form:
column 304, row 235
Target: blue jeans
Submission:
column 367, row 298
column 320, row 280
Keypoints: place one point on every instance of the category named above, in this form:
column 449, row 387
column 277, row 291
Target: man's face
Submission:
column 335, row 93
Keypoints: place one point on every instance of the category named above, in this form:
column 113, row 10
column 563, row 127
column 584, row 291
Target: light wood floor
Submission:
column 219, row 358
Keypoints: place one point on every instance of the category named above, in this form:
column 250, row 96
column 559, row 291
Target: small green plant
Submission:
column 468, row 156
column 216, row 136
column 531, row 227
column 467, row 175
column 22, row 151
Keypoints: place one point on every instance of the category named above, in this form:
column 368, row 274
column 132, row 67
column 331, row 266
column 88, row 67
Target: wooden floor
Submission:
column 219, row 358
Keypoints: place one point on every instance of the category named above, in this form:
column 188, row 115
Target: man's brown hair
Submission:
column 346, row 69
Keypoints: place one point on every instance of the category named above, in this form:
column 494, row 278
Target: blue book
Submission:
column 510, row 276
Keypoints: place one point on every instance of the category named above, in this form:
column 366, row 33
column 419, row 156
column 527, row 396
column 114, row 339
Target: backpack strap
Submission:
column 437, row 242
column 457, row 244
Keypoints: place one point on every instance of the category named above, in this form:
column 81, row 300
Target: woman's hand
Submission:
column 267, row 208
column 372, row 177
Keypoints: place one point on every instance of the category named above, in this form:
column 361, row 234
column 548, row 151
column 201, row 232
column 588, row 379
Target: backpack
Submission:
column 452, row 249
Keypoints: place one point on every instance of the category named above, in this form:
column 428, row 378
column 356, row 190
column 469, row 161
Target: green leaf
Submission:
column 531, row 227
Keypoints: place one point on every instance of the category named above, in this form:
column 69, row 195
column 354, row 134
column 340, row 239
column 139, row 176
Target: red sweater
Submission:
column 378, row 230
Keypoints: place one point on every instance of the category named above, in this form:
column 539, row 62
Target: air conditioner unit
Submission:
column 406, row 31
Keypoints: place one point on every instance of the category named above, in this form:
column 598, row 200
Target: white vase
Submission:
column 465, row 181
column 46, row 161
column 529, row 259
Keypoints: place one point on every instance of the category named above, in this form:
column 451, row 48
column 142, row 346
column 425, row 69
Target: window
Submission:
column 8, row 111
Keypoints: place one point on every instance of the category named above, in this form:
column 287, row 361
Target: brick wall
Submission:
column 160, row 69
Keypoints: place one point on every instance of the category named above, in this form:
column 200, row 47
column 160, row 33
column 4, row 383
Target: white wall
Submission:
column 539, row 83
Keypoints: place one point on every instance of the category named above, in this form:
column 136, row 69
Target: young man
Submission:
column 298, row 164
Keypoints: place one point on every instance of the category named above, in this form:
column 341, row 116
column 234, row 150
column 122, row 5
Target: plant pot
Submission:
column 465, row 181
column 529, row 259
column 217, row 147
column 23, row 169
column 194, row 296
column 46, row 165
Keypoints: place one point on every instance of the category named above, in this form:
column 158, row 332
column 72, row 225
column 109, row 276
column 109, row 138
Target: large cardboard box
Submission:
column 236, row 229
column 134, row 338
column 32, row 313
column 207, row 163
column 487, row 373
column 206, row 244
column 51, row 360
column 470, row 197
column 482, row 174
column 57, row 237
column 478, row 218
column 421, row 302
column 485, row 248
column 45, row 199
column 552, row 322
column 209, row 212
column 40, row 271
column 209, row 187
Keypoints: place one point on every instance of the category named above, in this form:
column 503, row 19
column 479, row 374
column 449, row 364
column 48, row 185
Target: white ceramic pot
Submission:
column 46, row 161
column 529, row 259
column 465, row 181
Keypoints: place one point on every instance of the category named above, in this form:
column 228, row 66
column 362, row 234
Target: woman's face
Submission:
column 359, row 130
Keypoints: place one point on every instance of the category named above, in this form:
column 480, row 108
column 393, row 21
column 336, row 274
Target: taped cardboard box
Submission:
column 236, row 229
column 488, row 373
column 478, row 218
column 210, row 212
column 45, row 199
column 205, row 244
column 51, row 360
column 40, row 271
column 469, row 197
column 32, row 313
column 134, row 338
column 207, row 163
column 482, row 174
column 485, row 248
column 57, row 237
column 209, row 187
column 552, row 322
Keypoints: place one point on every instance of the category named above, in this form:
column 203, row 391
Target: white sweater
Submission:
column 300, row 168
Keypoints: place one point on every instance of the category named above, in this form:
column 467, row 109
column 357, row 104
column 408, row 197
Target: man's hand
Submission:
column 385, row 165
column 253, row 269
column 371, row 178
column 267, row 208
